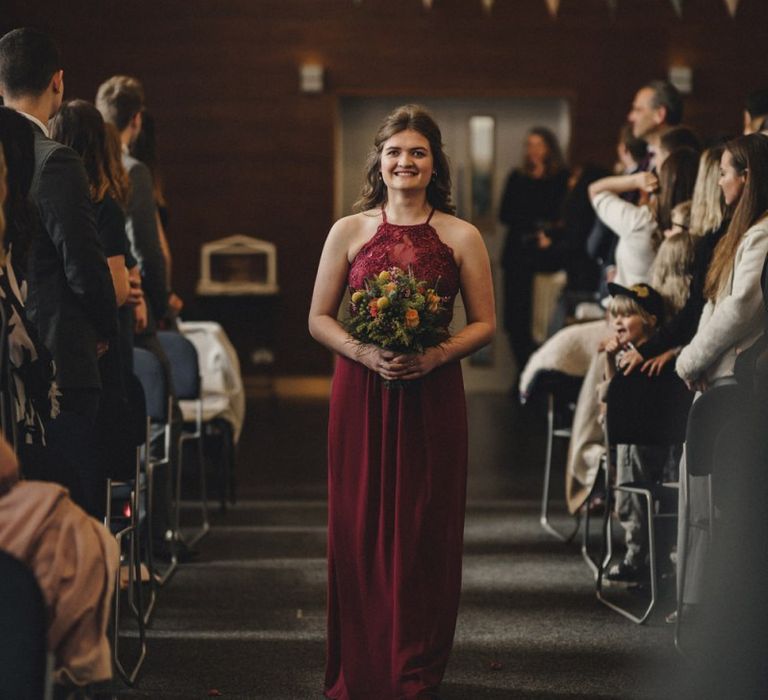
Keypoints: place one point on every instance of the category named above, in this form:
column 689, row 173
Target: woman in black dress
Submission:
column 531, row 207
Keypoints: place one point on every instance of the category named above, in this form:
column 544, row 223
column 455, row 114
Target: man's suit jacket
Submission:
column 141, row 227
column 71, row 296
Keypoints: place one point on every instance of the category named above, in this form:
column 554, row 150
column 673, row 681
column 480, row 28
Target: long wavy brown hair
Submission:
column 119, row 182
column 554, row 161
column 677, row 177
column 407, row 118
column 749, row 155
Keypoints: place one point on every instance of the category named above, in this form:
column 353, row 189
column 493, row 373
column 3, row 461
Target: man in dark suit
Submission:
column 71, row 296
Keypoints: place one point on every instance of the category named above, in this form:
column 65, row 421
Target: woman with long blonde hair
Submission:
column 707, row 208
column 732, row 321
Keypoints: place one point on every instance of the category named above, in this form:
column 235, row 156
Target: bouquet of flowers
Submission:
column 397, row 312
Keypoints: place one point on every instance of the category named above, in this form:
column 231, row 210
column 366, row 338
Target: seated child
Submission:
column 635, row 314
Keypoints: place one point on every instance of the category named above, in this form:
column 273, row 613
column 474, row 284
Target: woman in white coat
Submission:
column 732, row 319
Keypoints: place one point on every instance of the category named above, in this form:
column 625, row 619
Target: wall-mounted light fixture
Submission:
column 311, row 77
column 682, row 78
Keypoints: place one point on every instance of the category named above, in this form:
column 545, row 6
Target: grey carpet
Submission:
column 246, row 619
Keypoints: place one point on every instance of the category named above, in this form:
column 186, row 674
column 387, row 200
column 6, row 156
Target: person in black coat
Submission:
column 531, row 206
column 71, row 298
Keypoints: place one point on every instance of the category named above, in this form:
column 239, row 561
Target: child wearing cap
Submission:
column 635, row 313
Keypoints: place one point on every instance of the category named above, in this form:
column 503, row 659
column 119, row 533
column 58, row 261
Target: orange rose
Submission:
column 373, row 308
column 433, row 302
column 412, row 318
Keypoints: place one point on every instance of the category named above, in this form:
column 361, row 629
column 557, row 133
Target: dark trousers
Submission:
column 72, row 458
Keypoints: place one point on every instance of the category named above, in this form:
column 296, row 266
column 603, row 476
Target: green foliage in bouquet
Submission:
column 397, row 312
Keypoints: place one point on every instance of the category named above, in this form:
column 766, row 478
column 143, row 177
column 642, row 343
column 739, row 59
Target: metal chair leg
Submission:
column 682, row 550
column 129, row 676
column 593, row 563
column 198, row 436
column 552, row 433
column 638, row 619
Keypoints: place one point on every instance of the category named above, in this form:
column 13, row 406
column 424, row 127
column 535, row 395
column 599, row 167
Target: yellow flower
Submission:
column 433, row 302
column 382, row 303
column 384, row 276
column 412, row 318
column 357, row 296
column 390, row 287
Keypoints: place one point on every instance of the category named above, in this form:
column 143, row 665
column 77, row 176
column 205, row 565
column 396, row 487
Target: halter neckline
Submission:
column 384, row 219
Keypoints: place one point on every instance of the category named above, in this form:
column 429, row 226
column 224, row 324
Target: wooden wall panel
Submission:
column 244, row 152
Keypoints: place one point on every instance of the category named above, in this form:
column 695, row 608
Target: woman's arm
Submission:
column 624, row 218
column 329, row 289
column 734, row 316
column 120, row 281
column 618, row 184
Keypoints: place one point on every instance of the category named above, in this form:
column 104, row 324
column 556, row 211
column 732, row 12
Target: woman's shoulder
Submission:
column 109, row 212
column 454, row 231
column 759, row 229
column 350, row 232
column 354, row 223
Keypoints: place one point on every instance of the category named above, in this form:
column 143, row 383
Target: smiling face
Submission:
column 731, row 182
column 406, row 161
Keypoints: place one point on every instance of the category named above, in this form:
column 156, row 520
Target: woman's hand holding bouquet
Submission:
column 400, row 323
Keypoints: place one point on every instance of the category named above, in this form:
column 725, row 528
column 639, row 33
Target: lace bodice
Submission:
column 417, row 247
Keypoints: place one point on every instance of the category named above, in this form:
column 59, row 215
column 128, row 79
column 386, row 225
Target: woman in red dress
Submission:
column 398, row 457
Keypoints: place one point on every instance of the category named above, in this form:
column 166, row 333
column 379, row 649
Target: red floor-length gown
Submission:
column 397, row 491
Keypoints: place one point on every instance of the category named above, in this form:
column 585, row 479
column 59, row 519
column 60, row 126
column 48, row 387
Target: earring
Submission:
column 381, row 177
column 434, row 175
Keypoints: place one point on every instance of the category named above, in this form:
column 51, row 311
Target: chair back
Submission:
column 149, row 372
column 23, row 638
column 185, row 366
column 645, row 410
column 709, row 415
column 564, row 387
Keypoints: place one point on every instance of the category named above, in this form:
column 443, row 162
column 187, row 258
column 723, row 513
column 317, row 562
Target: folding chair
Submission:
column 149, row 372
column 707, row 418
column 562, row 391
column 641, row 410
column 130, row 442
column 26, row 667
column 127, row 526
column 223, row 400
column 186, row 381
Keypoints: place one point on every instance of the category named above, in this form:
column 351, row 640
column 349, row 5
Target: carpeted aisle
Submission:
column 246, row 619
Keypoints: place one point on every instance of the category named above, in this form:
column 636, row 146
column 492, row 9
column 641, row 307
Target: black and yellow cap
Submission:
column 645, row 296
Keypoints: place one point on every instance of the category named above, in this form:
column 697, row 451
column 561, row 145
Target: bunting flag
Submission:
column 678, row 5
column 553, row 6
column 732, row 6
